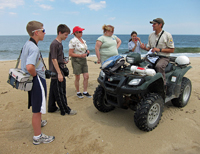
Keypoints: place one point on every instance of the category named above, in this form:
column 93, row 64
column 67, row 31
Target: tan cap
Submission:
column 157, row 20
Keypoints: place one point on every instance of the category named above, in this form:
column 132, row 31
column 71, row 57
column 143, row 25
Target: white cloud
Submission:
column 35, row 13
column 43, row 0
column 92, row 4
column 75, row 13
column 10, row 3
column 97, row 5
column 112, row 18
column 12, row 13
column 46, row 7
column 81, row 1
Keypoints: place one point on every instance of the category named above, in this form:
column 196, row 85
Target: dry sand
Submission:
column 93, row 132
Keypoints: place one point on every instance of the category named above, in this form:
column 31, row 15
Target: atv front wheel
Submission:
column 186, row 88
column 100, row 102
column 149, row 112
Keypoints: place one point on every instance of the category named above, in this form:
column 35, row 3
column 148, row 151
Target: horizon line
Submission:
column 93, row 34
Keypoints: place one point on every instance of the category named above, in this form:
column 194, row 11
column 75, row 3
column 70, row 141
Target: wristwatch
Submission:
column 160, row 50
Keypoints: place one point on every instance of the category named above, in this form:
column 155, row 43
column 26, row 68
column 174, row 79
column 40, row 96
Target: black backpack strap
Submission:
column 31, row 39
column 159, row 38
column 18, row 59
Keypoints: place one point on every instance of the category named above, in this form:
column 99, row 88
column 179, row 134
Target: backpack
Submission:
column 110, row 62
column 113, row 63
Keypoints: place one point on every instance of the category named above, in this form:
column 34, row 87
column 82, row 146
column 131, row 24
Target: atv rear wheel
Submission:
column 186, row 88
column 149, row 112
column 100, row 102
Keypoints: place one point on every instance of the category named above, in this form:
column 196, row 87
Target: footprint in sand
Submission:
column 186, row 149
column 4, row 92
column 168, row 113
column 9, row 105
column 85, row 141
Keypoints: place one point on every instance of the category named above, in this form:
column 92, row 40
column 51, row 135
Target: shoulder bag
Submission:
column 18, row 79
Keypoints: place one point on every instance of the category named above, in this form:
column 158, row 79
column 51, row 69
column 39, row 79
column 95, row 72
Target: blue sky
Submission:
column 180, row 16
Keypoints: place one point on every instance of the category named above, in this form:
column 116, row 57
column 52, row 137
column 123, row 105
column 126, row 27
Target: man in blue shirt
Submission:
column 31, row 63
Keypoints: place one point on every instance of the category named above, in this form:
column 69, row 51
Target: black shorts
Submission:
column 37, row 96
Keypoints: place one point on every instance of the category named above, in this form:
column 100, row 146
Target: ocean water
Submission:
column 10, row 46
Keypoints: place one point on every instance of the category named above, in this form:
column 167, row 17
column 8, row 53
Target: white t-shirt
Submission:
column 79, row 47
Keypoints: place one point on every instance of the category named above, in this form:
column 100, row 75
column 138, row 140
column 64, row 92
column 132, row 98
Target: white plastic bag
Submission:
column 152, row 59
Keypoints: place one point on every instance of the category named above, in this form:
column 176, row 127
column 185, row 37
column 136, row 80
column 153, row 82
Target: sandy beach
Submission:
column 93, row 132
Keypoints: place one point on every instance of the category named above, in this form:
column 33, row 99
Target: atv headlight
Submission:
column 102, row 74
column 130, row 60
column 134, row 82
column 133, row 58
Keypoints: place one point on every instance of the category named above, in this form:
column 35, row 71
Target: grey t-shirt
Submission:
column 31, row 55
column 56, row 52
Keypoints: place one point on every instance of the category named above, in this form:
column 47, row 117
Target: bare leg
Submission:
column 77, row 78
column 36, row 123
column 85, row 81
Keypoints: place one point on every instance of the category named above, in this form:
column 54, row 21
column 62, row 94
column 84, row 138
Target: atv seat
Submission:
column 169, row 68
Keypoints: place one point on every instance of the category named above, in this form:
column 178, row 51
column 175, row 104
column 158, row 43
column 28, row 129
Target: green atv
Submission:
column 136, row 85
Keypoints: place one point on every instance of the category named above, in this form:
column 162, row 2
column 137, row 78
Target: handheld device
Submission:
column 66, row 59
column 87, row 53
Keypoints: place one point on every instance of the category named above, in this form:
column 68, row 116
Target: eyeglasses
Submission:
column 43, row 30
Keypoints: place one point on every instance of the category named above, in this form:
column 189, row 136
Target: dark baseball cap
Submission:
column 157, row 20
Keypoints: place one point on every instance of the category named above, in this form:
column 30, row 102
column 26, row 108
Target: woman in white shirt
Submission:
column 78, row 52
column 134, row 43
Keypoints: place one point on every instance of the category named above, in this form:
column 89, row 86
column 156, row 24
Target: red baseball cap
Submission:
column 77, row 28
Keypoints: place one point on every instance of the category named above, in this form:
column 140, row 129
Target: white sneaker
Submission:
column 73, row 112
column 43, row 139
column 43, row 123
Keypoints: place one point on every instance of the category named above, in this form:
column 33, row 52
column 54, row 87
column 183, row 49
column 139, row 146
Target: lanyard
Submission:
column 159, row 38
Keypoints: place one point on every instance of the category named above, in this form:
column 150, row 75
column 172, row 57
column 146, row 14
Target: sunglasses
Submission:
column 79, row 32
column 43, row 30
column 111, row 31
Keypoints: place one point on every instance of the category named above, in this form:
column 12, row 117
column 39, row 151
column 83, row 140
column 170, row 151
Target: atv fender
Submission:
column 180, row 72
column 150, row 80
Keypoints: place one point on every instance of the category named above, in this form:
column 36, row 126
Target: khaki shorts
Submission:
column 79, row 65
